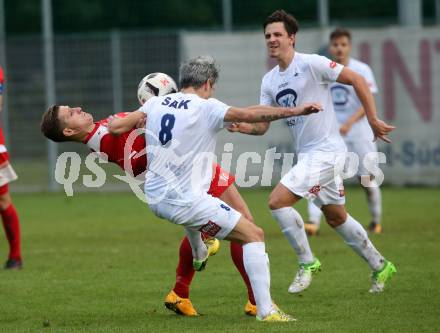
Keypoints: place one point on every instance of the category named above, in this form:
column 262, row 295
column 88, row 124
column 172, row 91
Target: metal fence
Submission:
column 100, row 72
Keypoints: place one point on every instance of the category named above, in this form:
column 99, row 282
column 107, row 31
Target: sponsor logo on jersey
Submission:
column 315, row 189
column 332, row 64
column 339, row 95
column 210, row 229
column 286, row 98
column 291, row 122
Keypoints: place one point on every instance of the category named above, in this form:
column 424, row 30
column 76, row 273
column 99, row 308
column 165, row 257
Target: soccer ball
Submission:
column 155, row 84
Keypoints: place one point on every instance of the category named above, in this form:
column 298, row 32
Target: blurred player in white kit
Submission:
column 354, row 128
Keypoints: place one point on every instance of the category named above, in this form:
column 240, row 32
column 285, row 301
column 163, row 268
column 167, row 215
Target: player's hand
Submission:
column 381, row 130
column 308, row 108
column 344, row 129
column 141, row 123
column 112, row 117
column 234, row 127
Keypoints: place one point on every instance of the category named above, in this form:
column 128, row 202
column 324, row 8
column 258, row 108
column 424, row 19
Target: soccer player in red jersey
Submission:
column 9, row 215
column 64, row 123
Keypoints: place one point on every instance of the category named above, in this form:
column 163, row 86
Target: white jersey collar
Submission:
column 293, row 65
column 94, row 141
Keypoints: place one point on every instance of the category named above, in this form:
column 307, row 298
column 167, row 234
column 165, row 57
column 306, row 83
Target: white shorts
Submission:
column 317, row 180
column 206, row 214
column 7, row 174
column 361, row 148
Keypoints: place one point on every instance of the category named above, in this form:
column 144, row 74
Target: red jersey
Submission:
column 101, row 141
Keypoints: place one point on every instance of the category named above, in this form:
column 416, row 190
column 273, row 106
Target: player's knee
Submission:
column 245, row 212
column 248, row 216
column 5, row 201
column 335, row 215
column 256, row 234
column 275, row 202
column 336, row 219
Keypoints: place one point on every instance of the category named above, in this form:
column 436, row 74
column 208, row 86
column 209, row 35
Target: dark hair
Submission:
column 340, row 32
column 289, row 21
column 51, row 125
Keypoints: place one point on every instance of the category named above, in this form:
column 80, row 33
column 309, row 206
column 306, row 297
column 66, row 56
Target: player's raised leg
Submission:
column 202, row 248
column 356, row 237
column 178, row 298
column 291, row 223
column 215, row 218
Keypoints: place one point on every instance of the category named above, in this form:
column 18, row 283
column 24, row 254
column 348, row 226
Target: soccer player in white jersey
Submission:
column 181, row 133
column 354, row 128
column 297, row 79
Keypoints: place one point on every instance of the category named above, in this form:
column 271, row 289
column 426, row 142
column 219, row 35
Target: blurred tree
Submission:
column 250, row 13
column 365, row 12
column 86, row 15
column 23, row 16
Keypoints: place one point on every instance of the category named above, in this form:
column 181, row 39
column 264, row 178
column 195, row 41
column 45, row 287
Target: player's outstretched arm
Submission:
column 379, row 127
column 250, row 129
column 118, row 125
column 263, row 113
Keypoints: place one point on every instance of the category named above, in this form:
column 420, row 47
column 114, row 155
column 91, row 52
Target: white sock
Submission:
column 256, row 263
column 356, row 237
column 314, row 213
column 198, row 247
column 292, row 226
column 374, row 199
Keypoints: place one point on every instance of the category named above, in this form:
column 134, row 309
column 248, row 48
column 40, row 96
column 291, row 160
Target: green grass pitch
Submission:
column 101, row 262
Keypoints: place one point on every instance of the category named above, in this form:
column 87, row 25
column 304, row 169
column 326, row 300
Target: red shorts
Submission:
column 4, row 157
column 4, row 189
column 220, row 182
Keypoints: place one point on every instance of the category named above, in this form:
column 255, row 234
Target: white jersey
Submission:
column 307, row 79
column 346, row 102
column 181, row 135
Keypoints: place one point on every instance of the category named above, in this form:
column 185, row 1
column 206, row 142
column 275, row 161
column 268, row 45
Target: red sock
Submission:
column 12, row 230
column 237, row 258
column 185, row 271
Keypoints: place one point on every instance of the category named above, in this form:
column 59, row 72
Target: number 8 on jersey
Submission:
column 166, row 125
